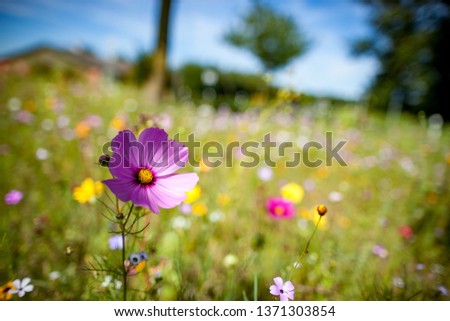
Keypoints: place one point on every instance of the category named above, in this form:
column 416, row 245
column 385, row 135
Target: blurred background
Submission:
column 374, row 73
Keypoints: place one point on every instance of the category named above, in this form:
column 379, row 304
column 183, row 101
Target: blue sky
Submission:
column 124, row 27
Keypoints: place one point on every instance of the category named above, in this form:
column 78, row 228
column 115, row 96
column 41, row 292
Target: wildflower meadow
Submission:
column 106, row 197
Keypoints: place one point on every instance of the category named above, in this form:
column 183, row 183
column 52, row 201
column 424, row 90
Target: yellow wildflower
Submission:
column 4, row 291
column 118, row 124
column 223, row 199
column 293, row 192
column 87, row 191
column 203, row 167
column 308, row 214
column 193, row 195
column 82, row 129
column 199, row 209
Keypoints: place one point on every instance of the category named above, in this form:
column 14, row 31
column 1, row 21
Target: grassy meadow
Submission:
column 386, row 235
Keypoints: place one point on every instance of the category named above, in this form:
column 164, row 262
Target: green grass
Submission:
column 397, row 174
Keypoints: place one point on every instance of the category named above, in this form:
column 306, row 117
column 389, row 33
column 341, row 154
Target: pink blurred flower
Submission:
column 380, row 251
column 23, row 116
column 406, row 231
column 143, row 169
column 93, row 120
column 185, row 208
column 164, row 120
column 13, row 197
column 279, row 207
column 285, row 290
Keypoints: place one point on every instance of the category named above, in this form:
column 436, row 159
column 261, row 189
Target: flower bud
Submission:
column 322, row 209
column 119, row 216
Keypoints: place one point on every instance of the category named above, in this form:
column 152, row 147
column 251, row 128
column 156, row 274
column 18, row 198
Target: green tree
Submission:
column 271, row 36
column 142, row 68
column 410, row 41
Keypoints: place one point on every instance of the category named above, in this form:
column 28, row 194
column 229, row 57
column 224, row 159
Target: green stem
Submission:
column 305, row 251
column 124, row 269
column 128, row 215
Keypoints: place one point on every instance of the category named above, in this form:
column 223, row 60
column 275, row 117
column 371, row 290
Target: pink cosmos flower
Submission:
column 13, row 197
column 279, row 207
column 285, row 290
column 144, row 169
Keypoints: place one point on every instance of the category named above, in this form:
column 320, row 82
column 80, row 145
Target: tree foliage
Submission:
column 411, row 44
column 271, row 36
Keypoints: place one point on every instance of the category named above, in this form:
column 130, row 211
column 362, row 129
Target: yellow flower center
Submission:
column 279, row 210
column 145, row 176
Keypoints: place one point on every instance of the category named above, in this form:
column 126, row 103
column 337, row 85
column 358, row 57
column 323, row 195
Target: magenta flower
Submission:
column 285, row 290
column 279, row 207
column 13, row 197
column 143, row 169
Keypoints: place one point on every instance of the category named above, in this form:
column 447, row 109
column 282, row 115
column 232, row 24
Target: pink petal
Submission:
column 290, row 295
column 283, row 297
column 274, row 290
column 126, row 155
column 122, row 188
column 288, row 286
column 173, row 156
column 278, row 282
column 166, row 198
column 152, row 139
column 144, row 197
column 178, row 182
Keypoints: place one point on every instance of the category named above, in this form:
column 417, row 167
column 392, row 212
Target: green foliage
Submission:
column 410, row 42
column 142, row 68
column 225, row 89
column 272, row 37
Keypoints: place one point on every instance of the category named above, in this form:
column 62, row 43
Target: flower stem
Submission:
column 124, row 269
column 305, row 250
